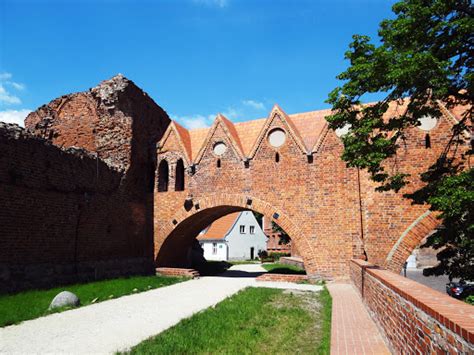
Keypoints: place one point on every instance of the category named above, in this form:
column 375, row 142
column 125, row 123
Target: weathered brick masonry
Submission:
column 414, row 318
column 71, row 217
column 331, row 212
column 68, row 214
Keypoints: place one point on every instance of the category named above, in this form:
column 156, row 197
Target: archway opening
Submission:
column 224, row 234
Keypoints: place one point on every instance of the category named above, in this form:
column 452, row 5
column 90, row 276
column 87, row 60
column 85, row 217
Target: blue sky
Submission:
column 195, row 58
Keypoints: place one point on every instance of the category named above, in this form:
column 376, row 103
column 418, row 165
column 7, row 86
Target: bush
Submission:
column 470, row 299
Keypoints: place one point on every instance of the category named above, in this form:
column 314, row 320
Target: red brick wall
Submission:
column 414, row 318
column 333, row 212
column 67, row 215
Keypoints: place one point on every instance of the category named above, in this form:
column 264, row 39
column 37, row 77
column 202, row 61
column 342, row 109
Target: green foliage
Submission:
column 254, row 321
column 425, row 55
column 26, row 305
column 454, row 197
column 259, row 217
column 284, row 237
column 470, row 299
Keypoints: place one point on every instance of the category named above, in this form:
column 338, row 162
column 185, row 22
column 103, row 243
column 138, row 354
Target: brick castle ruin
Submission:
column 102, row 183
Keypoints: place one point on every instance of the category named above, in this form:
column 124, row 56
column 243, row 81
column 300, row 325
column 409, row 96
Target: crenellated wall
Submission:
column 334, row 211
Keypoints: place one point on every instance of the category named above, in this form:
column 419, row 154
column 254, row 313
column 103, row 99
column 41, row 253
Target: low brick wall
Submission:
column 282, row 277
column 175, row 271
column 291, row 260
column 414, row 319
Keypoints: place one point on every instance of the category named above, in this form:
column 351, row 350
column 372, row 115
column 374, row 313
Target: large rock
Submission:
column 64, row 299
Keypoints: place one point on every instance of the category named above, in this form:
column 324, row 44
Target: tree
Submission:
column 425, row 55
column 284, row 237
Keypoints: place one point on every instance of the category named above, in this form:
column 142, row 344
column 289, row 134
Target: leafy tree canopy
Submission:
column 426, row 54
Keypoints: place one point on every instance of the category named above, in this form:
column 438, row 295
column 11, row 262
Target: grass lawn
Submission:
column 18, row 307
column 277, row 268
column 244, row 262
column 255, row 320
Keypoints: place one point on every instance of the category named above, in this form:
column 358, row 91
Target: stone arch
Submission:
column 409, row 240
column 175, row 238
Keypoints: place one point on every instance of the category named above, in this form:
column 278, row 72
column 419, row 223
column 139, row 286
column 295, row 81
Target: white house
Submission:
column 237, row 236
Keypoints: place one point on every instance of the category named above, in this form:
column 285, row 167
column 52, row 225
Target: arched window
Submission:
column 277, row 158
column 163, row 176
column 218, row 163
column 179, row 177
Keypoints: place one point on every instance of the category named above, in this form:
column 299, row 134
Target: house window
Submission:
column 252, row 229
column 242, row 229
column 214, row 248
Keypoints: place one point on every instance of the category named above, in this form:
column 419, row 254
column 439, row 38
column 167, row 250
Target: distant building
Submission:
column 237, row 236
column 274, row 245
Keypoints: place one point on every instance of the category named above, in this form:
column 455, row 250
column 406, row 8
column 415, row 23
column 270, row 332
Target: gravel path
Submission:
column 119, row 324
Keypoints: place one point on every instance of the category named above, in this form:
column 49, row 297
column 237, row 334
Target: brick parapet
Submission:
column 414, row 318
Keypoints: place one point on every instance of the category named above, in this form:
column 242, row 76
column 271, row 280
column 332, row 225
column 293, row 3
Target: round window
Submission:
column 427, row 123
column 219, row 148
column 277, row 137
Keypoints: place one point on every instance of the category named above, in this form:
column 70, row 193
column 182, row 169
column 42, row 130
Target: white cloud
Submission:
column 14, row 116
column 246, row 109
column 17, row 86
column 254, row 104
column 5, row 76
column 217, row 3
column 7, row 98
column 195, row 121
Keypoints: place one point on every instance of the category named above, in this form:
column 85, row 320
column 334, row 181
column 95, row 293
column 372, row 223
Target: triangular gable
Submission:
column 289, row 125
column 184, row 140
column 230, row 132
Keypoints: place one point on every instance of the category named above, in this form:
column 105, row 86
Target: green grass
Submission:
column 22, row 306
column 277, row 268
column 243, row 262
column 254, row 321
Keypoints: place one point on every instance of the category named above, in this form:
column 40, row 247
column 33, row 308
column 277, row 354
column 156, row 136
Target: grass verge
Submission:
column 254, row 321
column 277, row 268
column 26, row 305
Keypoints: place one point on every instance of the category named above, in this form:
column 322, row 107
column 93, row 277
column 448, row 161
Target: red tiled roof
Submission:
column 308, row 126
column 197, row 137
column 219, row 228
column 185, row 138
column 248, row 133
column 233, row 132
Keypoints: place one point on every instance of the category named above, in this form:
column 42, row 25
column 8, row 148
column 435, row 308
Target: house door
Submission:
column 251, row 252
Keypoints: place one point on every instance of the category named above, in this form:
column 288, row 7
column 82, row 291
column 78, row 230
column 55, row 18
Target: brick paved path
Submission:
column 353, row 332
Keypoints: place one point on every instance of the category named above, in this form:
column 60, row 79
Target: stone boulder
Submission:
column 64, row 299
